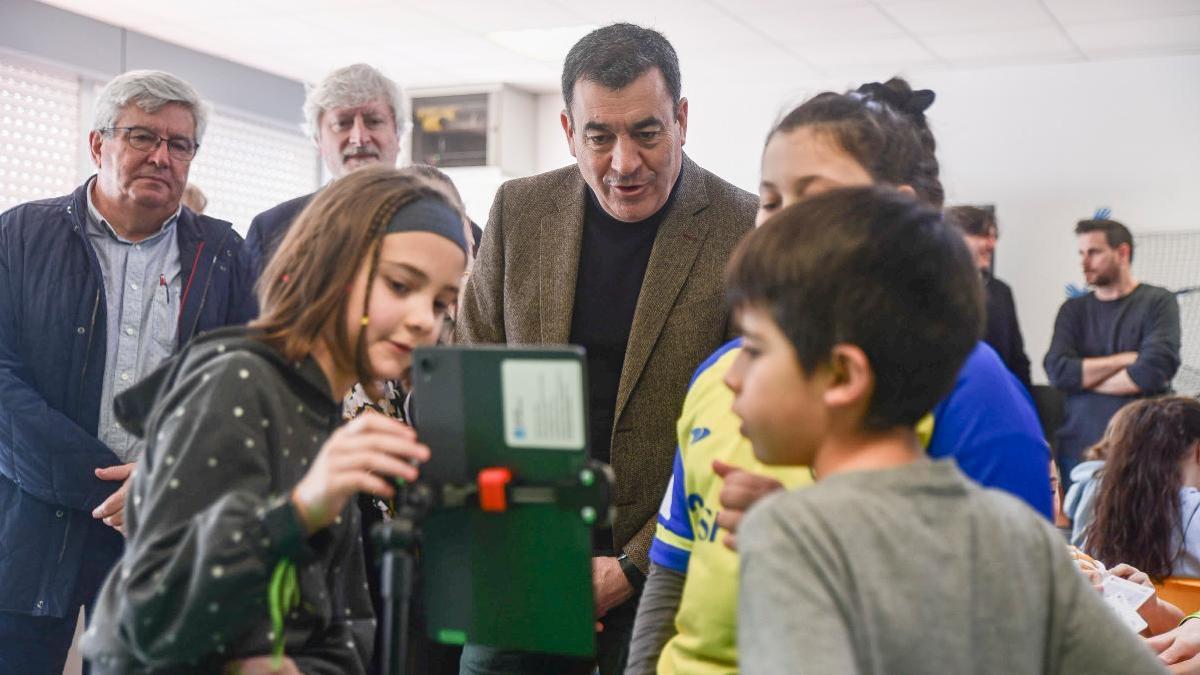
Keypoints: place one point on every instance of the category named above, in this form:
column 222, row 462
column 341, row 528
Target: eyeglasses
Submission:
column 147, row 140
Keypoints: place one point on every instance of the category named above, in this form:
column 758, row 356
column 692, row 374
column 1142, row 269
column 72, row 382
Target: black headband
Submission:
column 429, row 214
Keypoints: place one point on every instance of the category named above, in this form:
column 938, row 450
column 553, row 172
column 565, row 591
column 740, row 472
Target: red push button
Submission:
column 493, row 489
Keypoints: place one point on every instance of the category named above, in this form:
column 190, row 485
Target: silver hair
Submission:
column 149, row 90
column 351, row 86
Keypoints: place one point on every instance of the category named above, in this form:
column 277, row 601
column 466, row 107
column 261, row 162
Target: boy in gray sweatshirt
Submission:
column 858, row 307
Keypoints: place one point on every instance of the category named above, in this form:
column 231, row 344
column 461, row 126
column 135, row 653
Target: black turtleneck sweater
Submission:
column 613, row 257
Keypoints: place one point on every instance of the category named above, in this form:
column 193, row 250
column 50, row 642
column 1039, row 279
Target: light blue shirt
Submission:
column 142, row 282
column 1079, row 504
column 1187, row 558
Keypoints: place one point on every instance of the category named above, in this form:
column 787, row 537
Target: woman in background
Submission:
column 1149, row 497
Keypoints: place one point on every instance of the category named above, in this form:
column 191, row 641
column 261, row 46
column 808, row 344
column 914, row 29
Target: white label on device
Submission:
column 543, row 403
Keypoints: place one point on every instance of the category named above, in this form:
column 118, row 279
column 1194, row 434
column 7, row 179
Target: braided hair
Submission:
column 303, row 290
column 375, row 235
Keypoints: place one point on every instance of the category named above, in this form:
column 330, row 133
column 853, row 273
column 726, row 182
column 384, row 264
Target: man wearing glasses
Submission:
column 97, row 288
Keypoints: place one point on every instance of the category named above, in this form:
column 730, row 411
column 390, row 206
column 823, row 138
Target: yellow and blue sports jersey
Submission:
column 987, row 423
column 688, row 539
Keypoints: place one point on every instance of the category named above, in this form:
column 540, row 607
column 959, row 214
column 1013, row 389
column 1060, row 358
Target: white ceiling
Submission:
column 427, row 44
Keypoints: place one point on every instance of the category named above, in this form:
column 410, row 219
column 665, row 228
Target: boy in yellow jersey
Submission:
column 688, row 539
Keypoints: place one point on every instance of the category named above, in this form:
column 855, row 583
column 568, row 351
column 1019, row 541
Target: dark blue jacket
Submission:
column 52, row 351
column 267, row 230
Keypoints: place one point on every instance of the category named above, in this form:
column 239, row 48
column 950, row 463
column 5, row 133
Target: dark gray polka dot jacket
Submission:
column 228, row 429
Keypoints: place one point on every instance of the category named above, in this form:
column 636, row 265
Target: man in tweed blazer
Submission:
column 623, row 253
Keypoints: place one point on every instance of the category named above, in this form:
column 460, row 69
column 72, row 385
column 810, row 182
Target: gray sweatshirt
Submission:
column 917, row 570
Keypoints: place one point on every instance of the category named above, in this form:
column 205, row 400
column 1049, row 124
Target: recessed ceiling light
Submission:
column 543, row 44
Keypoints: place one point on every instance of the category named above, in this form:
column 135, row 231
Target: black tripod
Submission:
column 397, row 539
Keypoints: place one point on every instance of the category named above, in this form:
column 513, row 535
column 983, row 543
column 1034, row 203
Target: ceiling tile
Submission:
column 290, row 34
column 940, row 17
column 392, row 25
column 800, row 25
column 1095, row 11
column 767, row 7
column 732, row 37
column 890, row 52
column 1002, row 46
column 655, row 14
column 752, row 67
column 485, row 16
column 107, row 11
column 742, row 7
column 472, row 51
column 719, row 41
column 696, row 58
column 284, row 7
column 202, row 12
column 1175, row 34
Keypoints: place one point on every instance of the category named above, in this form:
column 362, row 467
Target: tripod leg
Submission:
column 396, row 589
column 403, row 605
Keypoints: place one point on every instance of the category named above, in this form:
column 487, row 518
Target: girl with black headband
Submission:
column 243, row 550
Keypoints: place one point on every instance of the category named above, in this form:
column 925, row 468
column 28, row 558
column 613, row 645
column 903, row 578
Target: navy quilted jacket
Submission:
column 52, row 348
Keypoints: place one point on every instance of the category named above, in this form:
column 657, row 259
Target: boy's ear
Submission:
column 852, row 379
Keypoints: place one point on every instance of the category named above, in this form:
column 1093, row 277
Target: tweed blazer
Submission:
column 522, row 292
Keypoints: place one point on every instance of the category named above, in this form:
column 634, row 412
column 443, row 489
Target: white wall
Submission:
column 1045, row 144
column 1057, row 142
column 477, row 185
column 552, row 151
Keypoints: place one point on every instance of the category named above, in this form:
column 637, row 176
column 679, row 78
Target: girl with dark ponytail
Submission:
column 878, row 134
column 881, row 127
column 875, row 134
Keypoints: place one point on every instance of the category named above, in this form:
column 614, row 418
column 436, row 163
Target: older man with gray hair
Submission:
column 99, row 287
column 356, row 116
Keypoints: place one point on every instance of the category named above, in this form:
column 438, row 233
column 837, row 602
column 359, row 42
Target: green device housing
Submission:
column 518, row 579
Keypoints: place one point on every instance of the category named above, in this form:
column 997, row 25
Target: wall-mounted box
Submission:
column 492, row 125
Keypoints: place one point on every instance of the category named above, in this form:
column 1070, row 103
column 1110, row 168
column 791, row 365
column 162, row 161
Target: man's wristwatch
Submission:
column 631, row 572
